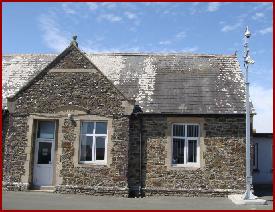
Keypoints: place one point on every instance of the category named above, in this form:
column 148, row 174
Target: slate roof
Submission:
column 160, row 83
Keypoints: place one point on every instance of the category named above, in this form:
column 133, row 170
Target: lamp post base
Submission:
column 249, row 196
column 238, row 199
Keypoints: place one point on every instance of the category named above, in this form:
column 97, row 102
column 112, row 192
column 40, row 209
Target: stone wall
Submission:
column 5, row 125
column 14, row 153
column 222, row 168
column 70, row 82
column 95, row 179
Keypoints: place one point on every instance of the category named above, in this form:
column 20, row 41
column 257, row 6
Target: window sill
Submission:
column 92, row 164
column 185, row 166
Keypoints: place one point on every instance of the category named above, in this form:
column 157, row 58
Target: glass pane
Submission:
column 45, row 129
column 178, row 130
column 86, row 148
column 192, row 151
column 101, row 128
column 192, row 131
column 100, row 148
column 178, row 151
column 87, row 128
column 44, row 152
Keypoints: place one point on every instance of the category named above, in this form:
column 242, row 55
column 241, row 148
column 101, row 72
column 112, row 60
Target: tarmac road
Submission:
column 43, row 200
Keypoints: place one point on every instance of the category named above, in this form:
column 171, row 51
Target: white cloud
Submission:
column 262, row 102
column 165, row 42
column 176, row 38
column 109, row 17
column 266, row 30
column 258, row 16
column 109, row 5
column 181, row 35
column 213, row 6
column 194, row 8
column 190, row 49
column 263, row 5
column 228, row 28
column 92, row 6
column 130, row 15
column 68, row 9
column 52, row 35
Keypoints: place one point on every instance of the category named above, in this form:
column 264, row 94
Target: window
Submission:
column 185, row 144
column 44, row 141
column 45, row 130
column 93, row 140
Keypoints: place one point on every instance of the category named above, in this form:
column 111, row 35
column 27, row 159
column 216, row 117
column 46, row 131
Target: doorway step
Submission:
column 43, row 188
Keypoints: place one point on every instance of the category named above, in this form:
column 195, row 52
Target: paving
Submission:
column 45, row 200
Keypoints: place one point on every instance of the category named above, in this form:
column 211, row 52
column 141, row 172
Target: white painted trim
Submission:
column 94, row 135
column 186, row 139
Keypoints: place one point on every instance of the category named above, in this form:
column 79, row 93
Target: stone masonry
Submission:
column 223, row 156
column 51, row 90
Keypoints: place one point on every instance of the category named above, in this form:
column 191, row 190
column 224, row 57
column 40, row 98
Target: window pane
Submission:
column 101, row 128
column 100, row 148
column 192, row 151
column 44, row 152
column 178, row 151
column 87, row 128
column 192, row 131
column 178, row 130
column 86, row 148
column 45, row 129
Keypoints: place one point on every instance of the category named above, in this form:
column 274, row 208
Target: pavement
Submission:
column 45, row 200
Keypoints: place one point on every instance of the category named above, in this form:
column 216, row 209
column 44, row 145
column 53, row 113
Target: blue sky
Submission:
column 150, row 27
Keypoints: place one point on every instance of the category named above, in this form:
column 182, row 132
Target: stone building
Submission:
column 124, row 124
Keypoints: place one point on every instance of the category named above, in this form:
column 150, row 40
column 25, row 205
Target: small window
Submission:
column 93, row 140
column 185, row 144
column 45, row 129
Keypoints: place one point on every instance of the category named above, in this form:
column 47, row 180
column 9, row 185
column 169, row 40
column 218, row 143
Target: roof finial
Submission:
column 74, row 42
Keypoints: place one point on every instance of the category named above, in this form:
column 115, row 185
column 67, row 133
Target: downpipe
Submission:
column 139, row 115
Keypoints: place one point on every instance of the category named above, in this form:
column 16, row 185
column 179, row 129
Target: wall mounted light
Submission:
column 70, row 117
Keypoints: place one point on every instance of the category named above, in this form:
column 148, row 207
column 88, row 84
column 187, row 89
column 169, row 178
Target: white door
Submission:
column 44, row 153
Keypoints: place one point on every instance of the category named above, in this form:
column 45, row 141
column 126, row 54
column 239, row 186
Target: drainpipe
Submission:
column 138, row 113
column 140, row 154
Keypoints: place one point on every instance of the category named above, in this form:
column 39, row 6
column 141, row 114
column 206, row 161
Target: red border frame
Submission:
column 128, row 1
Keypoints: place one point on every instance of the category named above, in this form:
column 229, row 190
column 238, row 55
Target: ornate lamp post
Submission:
column 247, row 61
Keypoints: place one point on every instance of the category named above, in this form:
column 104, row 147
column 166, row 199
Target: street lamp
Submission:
column 247, row 61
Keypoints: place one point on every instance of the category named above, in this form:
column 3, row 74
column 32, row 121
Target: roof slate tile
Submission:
column 160, row 83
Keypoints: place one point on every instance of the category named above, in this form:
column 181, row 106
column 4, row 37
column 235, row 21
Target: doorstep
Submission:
column 43, row 189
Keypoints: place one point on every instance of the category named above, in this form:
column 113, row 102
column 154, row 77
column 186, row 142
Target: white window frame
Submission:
column 186, row 139
column 94, row 135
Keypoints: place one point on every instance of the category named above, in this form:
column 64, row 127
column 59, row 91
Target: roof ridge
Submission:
column 161, row 54
column 129, row 54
